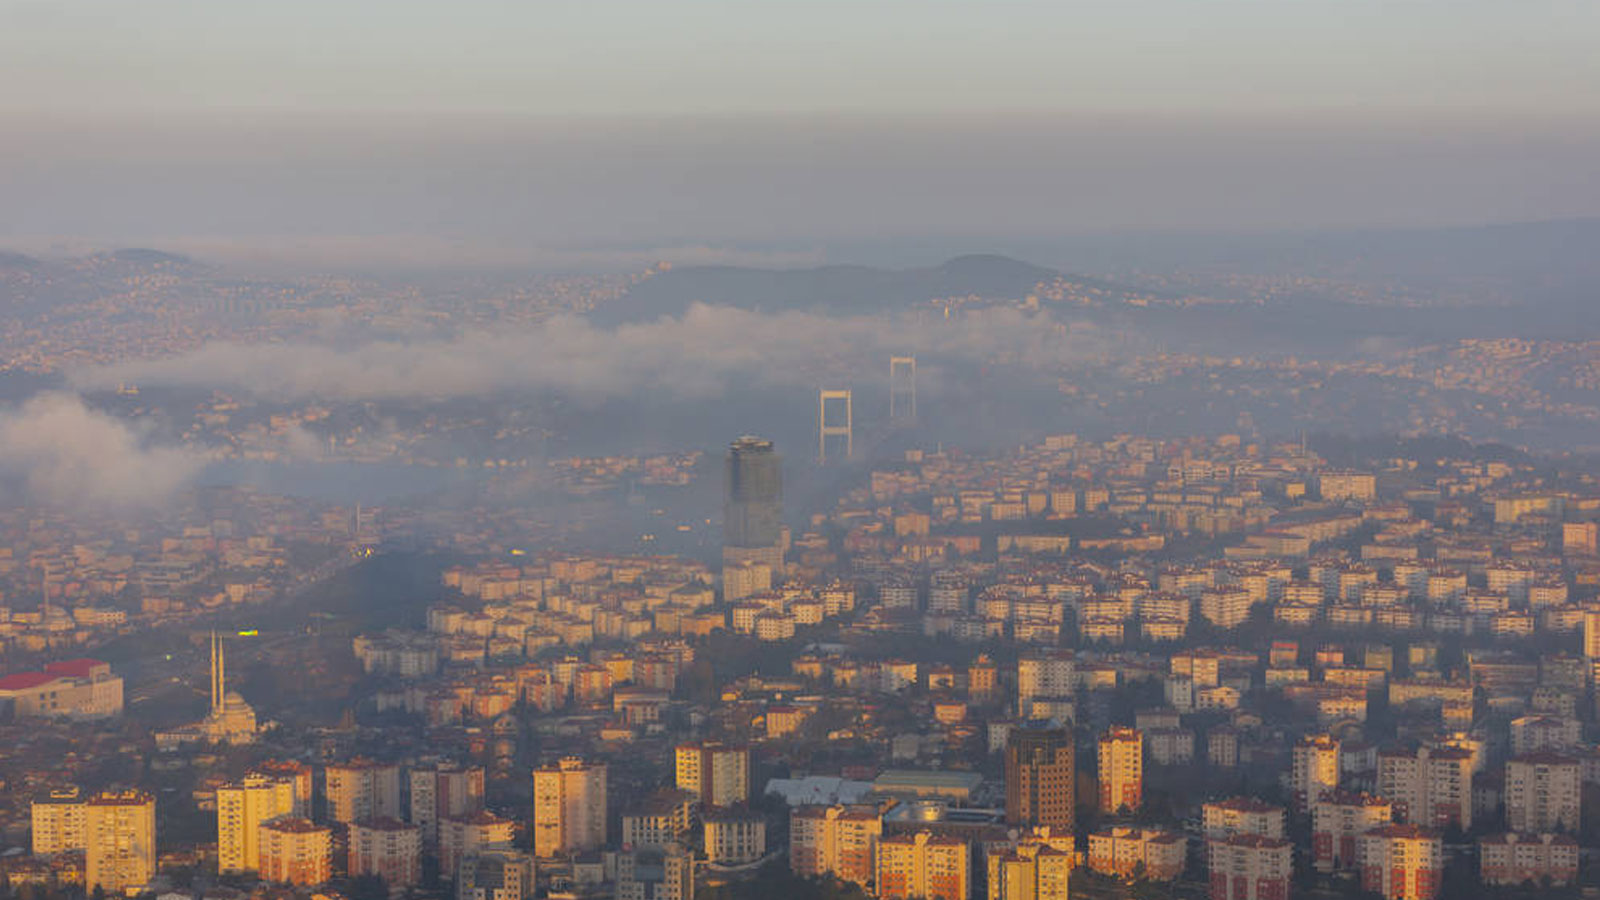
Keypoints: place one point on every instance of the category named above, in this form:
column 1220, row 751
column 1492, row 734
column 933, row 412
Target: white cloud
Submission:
column 62, row 452
column 698, row 354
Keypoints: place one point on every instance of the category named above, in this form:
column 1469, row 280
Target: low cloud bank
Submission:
column 58, row 451
column 700, row 354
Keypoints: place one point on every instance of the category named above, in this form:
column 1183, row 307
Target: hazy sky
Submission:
column 636, row 56
column 493, row 126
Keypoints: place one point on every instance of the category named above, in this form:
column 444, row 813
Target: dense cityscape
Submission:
column 719, row 450
column 1202, row 667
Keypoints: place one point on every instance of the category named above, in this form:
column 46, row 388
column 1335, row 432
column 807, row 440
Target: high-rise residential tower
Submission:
column 719, row 774
column 1121, row 757
column 361, row 789
column 242, row 808
column 121, row 846
column 569, row 807
column 442, row 791
column 59, row 822
column 296, row 851
column 1402, row 862
column 1315, row 769
column 387, row 848
column 1543, row 792
column 1431, row 786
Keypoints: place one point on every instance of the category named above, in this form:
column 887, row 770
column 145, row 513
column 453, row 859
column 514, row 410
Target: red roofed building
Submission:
column 22, row 681
column 296, row 851
column 1511, row 859
column 74, row 689
column 82, row 667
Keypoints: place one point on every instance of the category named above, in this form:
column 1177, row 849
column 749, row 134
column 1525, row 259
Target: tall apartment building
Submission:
column 496, row 875
column 717, row 773
column 1037, row 867
column 1315, row 769
column 734, row 837
column 1250, row 867
column 1225, row 607
column 444, row 791
column 121, row 845
column 1121, row 758
column 1222, row 747
column 924, row 866
column 1402, row 862
column 1337, row 487
column 1591, row 633
column 361, row 789
column 841, row 841
column 569, row 807
column 1580, row 537
column 948, row 592
column 387, row 848
column 982, row 679
column 1338, row 820
column 296, row 851
column 462, row 837
column 60, row 822
column 1542, row 792
column 242, row 808
column 1431, row 786
column 1040, row 776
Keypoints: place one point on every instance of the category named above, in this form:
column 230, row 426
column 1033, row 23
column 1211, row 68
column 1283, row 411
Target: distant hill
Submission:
column 838, row 290
column 146, row 256
column 9, row 260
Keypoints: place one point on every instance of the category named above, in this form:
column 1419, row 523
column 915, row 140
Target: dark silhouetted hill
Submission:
column 836, row 290
column 9, row 260
column 148, row 257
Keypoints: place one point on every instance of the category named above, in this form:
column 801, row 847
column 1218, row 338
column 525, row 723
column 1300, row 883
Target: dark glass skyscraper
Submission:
column 752, row 513
column 1040, row 776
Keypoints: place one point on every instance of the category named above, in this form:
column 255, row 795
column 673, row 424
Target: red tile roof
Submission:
column 22, row 681
column 74, row 668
